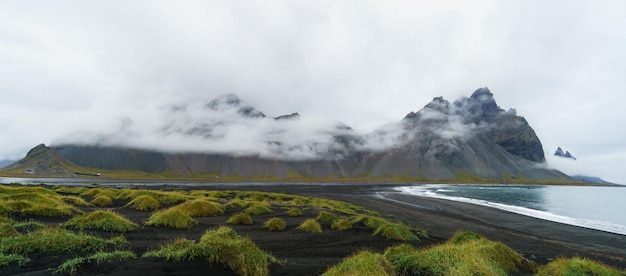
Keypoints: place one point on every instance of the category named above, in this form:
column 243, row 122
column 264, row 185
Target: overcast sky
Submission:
column 560, row 64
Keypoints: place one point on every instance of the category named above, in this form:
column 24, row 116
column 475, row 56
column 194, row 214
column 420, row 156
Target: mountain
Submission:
column 4, row 163
column 470, row 139
column 559, row 152
column 591, row 179
column 42, row 161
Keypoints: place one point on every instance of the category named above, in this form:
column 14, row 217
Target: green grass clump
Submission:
column 464, row 236
column 102, row 220
column 470, row 257
column 294, row 212
column 34, row 201
column 102, row 201
column 7, row 230
column 209, row 194
column 50, row 211
column 51, row 240
column 163, row 197
column 397, row 231
column 375, row 222
column 171, row 218
column 201, row 208
column 258, row 209
column 275, row 224
column 222, row 245
column 144, row 203
column 13, row 258
column 4, row 219
column 237, row 203
column 240, row 218
column 341, row 224
column 326, row 217
column 310, row 225
column 76, row 201
column 71, row 266
column 71, row 190
column 96, row 192
column 577, row 266
column 28, row 226
column 363, row 263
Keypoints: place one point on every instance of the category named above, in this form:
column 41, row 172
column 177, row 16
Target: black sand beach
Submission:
column 536, row 239
column 311, row 254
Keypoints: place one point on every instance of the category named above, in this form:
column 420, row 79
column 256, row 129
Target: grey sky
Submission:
column 69, row 64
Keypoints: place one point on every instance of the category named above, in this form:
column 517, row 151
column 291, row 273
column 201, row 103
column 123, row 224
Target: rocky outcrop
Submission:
column 559, row 152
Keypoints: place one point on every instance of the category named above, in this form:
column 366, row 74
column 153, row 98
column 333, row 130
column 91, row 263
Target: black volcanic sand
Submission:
column 311, row 254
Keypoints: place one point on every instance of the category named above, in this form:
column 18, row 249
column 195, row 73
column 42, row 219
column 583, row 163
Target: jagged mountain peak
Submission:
column 233, row 102
column 37, row 150
column 559, row 152
column 292, row 116
column 439, row 104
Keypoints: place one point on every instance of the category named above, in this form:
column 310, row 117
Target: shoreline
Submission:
column 33, row 180
column 536, row 239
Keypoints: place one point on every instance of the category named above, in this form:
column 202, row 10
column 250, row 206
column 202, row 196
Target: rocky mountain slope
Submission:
column 42, row 161
column 470, row 138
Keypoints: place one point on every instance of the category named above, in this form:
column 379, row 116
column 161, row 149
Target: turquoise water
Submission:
column 601, row 208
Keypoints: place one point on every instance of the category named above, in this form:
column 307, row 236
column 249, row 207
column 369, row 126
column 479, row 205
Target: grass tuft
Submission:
column 471, row 257
column 396, row 231
column 96, row 192
column 201, row 208
column 28, row 226
column 171, row 218
column 363, row 263
column 34, row 201
column 275, row 224
column 13, row 258
column 163, row 197
column 222, row 245
column 76, row 201
column 310, row 225
column 326, row 217
column 7, row 230
column 341, row 224
column 577, row 266
column 51, row 240
column 258, row 209
column 464, row 236
column 71, row 266
column 240, row 218
column 144, row 203
column 102, row 201
column 294, row 212
column 102, row 220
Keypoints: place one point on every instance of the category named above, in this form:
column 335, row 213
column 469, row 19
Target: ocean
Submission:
column 601, row 208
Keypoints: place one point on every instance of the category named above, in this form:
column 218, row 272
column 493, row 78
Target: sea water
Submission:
column 601, row 208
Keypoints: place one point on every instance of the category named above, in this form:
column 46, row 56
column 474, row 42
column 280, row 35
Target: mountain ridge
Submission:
column 470, row 138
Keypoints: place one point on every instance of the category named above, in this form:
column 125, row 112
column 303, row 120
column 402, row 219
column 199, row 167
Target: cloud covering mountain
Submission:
column 470, row 137
column 76, row 65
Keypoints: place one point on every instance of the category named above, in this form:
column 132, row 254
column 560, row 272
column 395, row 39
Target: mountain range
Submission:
column 470, row 139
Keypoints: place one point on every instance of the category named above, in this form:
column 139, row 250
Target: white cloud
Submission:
column 70, row 63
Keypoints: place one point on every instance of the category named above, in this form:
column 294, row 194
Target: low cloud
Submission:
column 228, row 125
column 216, row 127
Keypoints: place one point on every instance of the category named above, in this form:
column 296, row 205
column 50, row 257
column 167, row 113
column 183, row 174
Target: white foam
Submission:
column 427, row 191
